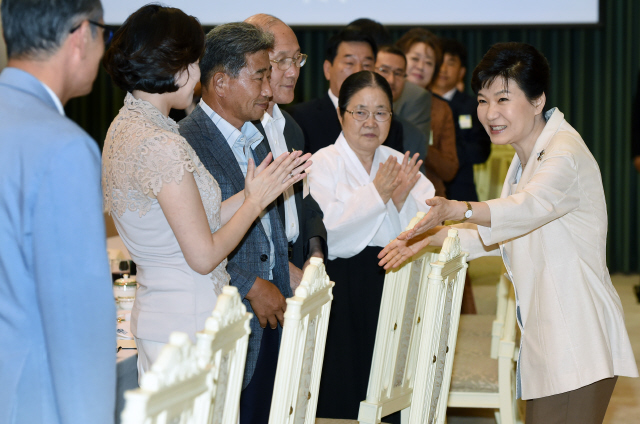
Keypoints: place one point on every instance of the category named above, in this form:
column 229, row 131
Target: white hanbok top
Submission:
column 354, row 213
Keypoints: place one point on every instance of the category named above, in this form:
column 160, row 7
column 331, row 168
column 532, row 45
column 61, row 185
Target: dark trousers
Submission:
column 255, row 399
column 586, row 405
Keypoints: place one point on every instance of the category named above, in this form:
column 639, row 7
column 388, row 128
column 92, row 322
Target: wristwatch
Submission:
column 469, row 212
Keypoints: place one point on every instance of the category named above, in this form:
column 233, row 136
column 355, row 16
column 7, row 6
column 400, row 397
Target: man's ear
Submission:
column 220, row 83
column 326, row 67
column 79, row 41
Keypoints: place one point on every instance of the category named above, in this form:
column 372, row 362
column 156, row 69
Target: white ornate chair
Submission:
column 484, row 366
column 196, row 384
column 406, row 320
column 439, row 334
column 295, row 393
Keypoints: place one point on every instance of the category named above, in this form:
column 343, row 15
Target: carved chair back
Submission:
column 306, row 320
column 395, row 354
column 196, row 384
column 439, row 333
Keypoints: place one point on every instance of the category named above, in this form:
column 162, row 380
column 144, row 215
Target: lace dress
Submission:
column 143, row 151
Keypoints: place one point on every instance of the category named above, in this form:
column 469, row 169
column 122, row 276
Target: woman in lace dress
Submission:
column 165, row 204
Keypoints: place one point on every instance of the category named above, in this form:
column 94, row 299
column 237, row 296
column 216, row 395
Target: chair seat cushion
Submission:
column 473, row 368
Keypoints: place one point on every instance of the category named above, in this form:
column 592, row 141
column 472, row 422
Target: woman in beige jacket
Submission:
column 550, row 227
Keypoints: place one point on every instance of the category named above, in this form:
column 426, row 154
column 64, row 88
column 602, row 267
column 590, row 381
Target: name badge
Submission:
column 465, row 122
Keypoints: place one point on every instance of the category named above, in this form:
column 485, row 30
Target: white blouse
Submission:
column 354, row 214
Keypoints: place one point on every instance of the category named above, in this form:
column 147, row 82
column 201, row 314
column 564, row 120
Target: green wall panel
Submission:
column 594, row 74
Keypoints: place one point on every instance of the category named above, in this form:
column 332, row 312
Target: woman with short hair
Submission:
column 166, row 206
column 424, row 58
column 550, row 226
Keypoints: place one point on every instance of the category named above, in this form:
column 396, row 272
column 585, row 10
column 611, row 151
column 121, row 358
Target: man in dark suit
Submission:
column 348, row 52
column 235, row 73
column 472, row 141
column 302, row 216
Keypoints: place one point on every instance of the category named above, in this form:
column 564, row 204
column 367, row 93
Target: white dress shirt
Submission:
column 241, row 143
column 55, row 98
column 274, row 128
column 334, row 99
column 354, row 214
column 448, row 96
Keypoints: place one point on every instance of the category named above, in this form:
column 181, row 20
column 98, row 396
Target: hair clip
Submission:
column 540, row 155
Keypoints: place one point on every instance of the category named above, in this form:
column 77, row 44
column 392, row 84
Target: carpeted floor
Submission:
column 625, row 403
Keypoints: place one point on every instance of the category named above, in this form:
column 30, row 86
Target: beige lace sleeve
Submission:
column 138, row 158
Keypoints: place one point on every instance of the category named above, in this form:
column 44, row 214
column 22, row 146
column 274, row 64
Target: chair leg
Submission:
column 404, row 415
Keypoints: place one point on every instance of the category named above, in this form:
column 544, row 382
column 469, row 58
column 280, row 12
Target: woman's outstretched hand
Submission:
column 265, row 183
column 402, row 248
column 441, row 210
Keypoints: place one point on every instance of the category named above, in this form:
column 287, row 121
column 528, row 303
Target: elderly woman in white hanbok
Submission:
column 368, row 194
column 166, row 206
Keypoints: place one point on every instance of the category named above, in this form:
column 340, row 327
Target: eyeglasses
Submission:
column 386, row 71
column 363, row 115
column 285, row 63
column 107, row 33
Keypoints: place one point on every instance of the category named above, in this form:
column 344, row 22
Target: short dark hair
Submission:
column 519, row 62
column 375, row 29
column 348, row 35
column 153, row 45
column 393, row 50
column 358, row 81
column 35, row 28
column 421, row 35
column 454, row 47
column 227, row 47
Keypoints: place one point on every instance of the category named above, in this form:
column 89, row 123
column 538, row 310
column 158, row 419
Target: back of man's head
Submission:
column 348, row 35
column 375, row 29
column 227, row 47
column 454, row 48
column 264, row 21
column 35, row 29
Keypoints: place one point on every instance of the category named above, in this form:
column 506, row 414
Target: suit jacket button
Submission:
column 264, row 257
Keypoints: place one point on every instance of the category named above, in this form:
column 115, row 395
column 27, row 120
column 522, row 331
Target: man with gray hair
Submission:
column 57, row 314
column 235, row 72
column 301, row 215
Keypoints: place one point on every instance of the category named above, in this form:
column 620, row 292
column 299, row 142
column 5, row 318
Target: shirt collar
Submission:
column 449, row 94
column 334, row 99
column 252, row 136
column 54, row 97
column 277, row 119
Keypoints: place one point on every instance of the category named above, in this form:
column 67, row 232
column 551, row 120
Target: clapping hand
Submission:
column 408, row 176
column 266, row 182
column 386, row 179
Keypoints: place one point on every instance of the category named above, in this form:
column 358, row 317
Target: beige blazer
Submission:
column 551, row 230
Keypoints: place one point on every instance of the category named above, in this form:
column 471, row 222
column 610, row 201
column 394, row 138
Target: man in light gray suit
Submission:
column 57, row 355
column 235, row 72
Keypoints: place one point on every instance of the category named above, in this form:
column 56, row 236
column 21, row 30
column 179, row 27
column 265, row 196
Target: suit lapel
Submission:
column 214, row 147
